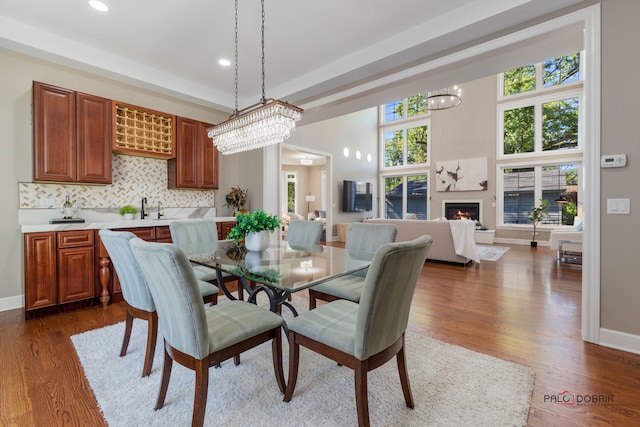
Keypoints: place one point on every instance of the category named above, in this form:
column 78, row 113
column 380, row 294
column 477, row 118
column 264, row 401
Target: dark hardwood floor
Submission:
column 523, row 308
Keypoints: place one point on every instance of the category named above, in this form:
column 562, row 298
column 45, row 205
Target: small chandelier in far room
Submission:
column 266, row 123
column 444, row 99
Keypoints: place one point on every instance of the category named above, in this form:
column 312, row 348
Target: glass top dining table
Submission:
column 281, row 269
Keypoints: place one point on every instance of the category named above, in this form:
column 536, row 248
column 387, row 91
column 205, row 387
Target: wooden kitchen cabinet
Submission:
column 40, row 278
column 71, row 136
column 59, row 269
column 76, row 277
column 163, row 234
column 196, row 163
column 224, row 228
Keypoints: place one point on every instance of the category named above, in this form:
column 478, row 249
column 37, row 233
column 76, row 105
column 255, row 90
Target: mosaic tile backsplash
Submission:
column 133, row 178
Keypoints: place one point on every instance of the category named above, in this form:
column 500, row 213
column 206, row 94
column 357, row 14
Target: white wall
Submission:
column 356, row 131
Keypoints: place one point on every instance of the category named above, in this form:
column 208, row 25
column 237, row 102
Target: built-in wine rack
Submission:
column 143, row 132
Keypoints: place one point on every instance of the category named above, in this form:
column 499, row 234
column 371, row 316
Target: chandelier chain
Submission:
column 236, row 56
column 263, row 73
column 266, row 123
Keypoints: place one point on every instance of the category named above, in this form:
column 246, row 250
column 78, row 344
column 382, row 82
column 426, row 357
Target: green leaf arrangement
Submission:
column 253, row 222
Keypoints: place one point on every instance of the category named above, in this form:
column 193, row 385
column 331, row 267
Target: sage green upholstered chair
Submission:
column 200, row 236
column 303, row 233
column 360, row 237
column 197, row 337
column 365, row 336
column 136, row 292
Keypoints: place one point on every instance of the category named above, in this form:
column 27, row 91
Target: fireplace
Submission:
column 462, row 209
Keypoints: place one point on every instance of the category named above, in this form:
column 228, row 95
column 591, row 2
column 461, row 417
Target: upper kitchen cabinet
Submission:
column 71, row 136
column 196, row 163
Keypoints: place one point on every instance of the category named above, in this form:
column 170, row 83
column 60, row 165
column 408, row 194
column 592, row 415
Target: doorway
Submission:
column 308, row 197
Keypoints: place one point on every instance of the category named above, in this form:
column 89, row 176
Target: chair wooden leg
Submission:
column 240, row 290
column 404, row 377
column 127, row 333
column 152, row 334
column 312, row 300
column 209, row 299
column 164, row 383
column 276, row 349
column 294, row 359
column 236, row 359
column 362, row 399
column 201, row 391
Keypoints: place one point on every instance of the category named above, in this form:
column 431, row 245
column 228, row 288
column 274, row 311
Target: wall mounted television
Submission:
column 356, row 196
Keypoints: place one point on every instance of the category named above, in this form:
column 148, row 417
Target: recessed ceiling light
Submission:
column 98, row 5
column 224, row 62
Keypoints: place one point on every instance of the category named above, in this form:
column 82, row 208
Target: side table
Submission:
column 485, row 236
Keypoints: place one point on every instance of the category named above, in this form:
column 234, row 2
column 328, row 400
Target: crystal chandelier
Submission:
column 444, row 99
column 266, row 123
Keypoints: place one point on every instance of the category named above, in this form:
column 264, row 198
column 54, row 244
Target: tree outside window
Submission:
column 519, row 130
column 561, row 70
column 560, row 124
column 519, row 80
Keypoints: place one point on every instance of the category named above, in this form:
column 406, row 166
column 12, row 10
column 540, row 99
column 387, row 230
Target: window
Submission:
column 539, row 123
column 524, row 187
column 407, row 145
column 291, row 191
column 549, row 123
column 545, row 116
column 547, row 74
column 404, row 136
column 403, row 108
column 405, row 194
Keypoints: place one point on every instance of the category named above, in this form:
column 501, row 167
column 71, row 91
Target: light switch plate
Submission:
column 618, row 206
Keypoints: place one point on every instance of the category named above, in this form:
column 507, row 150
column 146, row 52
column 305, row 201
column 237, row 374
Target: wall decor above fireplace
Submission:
column 462, row 175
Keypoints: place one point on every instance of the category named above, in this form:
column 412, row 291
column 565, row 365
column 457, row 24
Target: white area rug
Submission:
column 451, row 386
column 491, row 253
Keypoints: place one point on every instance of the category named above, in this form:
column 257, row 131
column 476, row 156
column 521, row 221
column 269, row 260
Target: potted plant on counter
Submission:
column 128, row 211
column 254, row 227
column 236, row 198
column 536, row 215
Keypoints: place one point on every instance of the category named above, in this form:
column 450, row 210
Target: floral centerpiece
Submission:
column 236, row 198
column 256, row 223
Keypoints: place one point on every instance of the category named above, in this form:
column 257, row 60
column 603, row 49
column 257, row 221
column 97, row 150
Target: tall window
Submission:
column 405, row 194
column 542, row 108
column 539, row 113
column 405, row 144
column 524, row 187
column 291, row 191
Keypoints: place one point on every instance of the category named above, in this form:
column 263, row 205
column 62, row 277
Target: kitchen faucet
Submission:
column 159, row 213
column 143, row 214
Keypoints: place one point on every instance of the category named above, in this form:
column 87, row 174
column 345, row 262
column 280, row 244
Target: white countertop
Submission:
column 115, row 224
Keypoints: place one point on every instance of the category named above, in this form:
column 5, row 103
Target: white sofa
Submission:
column 443, row 247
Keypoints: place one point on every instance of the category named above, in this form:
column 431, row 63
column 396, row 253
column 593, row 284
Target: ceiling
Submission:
column 313, row 50
column 293, row 157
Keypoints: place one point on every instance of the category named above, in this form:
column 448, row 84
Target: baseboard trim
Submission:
column 11, row 303
column 620, row 340
column 543, row 243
